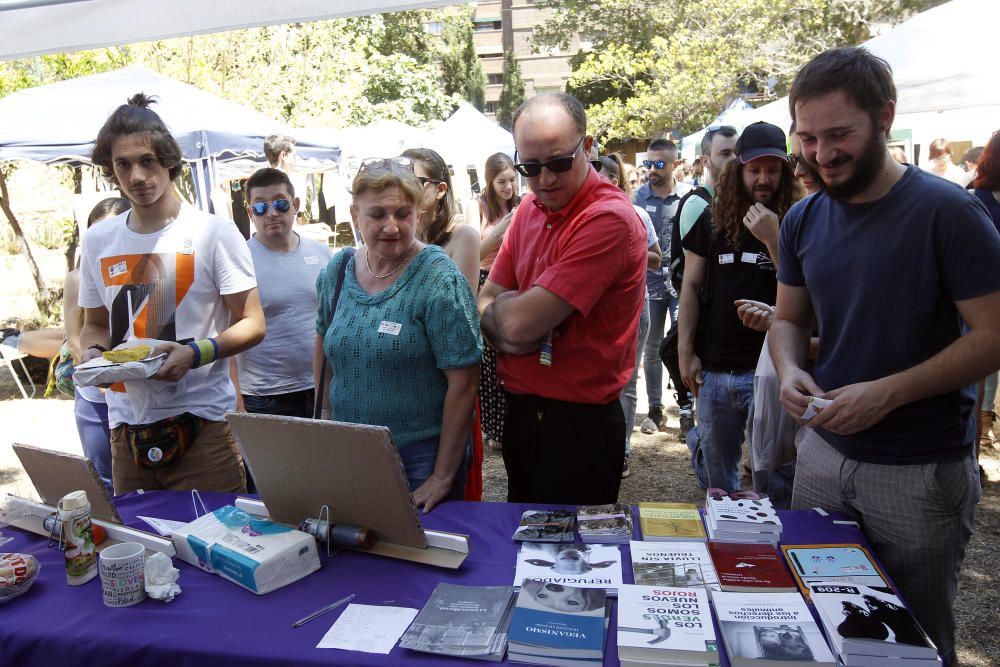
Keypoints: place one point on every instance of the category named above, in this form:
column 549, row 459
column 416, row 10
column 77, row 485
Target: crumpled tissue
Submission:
column 161, row 578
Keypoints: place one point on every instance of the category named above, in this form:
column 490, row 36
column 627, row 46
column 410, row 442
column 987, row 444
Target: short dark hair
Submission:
column 275, row 145
column 135, row 117
column 711, row 132
column 266, row 177
column 662, row 145
column 572, row 106
column 865, row 78
column 973, row 154
column 107, row 208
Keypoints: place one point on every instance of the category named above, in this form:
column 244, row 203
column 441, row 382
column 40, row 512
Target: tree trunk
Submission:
column 19, row 233
column 74, row 241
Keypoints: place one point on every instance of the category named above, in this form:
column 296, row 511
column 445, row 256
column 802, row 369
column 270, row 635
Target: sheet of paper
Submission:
column 165, row 527
column 368, row 628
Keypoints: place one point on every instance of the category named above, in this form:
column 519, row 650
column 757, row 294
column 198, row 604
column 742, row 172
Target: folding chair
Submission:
column 7, row 360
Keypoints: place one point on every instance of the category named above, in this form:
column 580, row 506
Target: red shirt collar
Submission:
column 580, row 200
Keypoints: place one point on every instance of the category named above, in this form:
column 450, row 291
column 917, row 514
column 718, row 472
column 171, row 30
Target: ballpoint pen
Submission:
column 320, row 612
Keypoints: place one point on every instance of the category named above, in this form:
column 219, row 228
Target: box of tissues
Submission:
column 255, row 553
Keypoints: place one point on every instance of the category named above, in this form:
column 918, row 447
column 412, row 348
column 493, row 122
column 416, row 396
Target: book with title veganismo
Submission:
column 554, row 624
column 770, row 630
column 662, row 624
column 671, row 522
column 464, row 621
column 682, row 564
column 583, row 565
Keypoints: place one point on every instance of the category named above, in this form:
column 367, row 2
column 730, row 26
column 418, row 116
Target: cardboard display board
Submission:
column 300, row 465
column 54, row 474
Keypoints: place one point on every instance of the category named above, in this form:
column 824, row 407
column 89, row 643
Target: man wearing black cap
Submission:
column 729, row 278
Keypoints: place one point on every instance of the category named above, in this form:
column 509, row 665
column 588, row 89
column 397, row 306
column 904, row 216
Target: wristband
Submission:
column 206, row 350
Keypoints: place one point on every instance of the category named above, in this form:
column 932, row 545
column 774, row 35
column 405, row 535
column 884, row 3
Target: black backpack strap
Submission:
column 676, row 266
column 321, row 385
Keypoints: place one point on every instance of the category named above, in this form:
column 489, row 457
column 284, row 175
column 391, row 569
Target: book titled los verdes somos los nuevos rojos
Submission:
column 666, row 624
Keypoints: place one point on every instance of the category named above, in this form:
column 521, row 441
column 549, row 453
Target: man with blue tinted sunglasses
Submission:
column 660, row 197
column 275, row 377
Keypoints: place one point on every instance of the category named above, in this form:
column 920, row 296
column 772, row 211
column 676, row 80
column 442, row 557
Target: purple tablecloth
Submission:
column 215, row 623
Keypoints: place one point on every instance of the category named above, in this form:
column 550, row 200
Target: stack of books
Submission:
column 584, row 565
column 671, row 522
column 770, row 630
column 545, row 526
column 559, row 625
column 464, row 621
column 663, row 625
column 678, row 564
column 871, row 627
column 604, row 524
column 751, row 568
column 741, row 520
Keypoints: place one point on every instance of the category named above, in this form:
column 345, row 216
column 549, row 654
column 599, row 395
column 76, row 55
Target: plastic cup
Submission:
column 122, row 569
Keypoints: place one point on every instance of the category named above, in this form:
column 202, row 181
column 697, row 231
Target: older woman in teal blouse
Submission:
column 403, row 342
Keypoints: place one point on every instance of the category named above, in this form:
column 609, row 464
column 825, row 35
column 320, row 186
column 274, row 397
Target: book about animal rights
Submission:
column 546, row 526
column 750, row 567
column 666, row 624
column 584, row 565
column 683, row 564
column 671, row 522
column 770, row 630
column 868, row 622
column 604, row 524
column 813, row 564
column 742, row 514
column 467, row 621
column 558, row 621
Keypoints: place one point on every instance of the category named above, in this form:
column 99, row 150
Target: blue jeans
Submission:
column 724, row 403
column 629, row 396
column 990, row 393
column 652, row 366
column 418, row 464
column 95, row 435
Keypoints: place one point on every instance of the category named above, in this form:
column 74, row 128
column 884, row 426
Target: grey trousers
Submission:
column 918, row 518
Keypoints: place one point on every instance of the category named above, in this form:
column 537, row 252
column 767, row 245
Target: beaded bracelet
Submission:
column 206, row 350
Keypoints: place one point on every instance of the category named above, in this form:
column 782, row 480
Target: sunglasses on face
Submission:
column 793, row 160
column 556, row 165
column 390, row 163
column 651, row 164
column 424, row 180
column 597, row 165
column 259, row 208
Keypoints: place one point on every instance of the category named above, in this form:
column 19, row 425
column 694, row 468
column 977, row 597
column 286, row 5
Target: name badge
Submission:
column 727, row 258
column 118, row 269
column 311, row 259
column 650, row 209
column 749, row 258
column 188, row 248
column 391, row 328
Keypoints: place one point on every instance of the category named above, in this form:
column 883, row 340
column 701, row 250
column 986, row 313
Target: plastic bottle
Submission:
column 81, row 554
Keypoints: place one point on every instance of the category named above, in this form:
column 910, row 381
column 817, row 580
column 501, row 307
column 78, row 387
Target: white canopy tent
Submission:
column 57, row 123
column 953, row 94
column 465, row 141
column 33, row 27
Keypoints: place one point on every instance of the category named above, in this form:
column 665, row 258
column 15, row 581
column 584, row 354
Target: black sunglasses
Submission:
column 424, row 180
column 259, row 208
column 556, row 165
column 597, row 165
column 650, row 164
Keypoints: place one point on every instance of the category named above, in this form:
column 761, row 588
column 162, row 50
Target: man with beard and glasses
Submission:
column 659, row 197
column 729, row 278
column 899, row 269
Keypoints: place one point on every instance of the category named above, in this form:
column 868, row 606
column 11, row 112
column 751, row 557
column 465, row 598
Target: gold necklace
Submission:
column 375, row 275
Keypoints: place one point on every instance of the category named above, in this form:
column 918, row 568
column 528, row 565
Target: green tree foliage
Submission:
column 461, row 70
column 512, row 93
column 657, row 64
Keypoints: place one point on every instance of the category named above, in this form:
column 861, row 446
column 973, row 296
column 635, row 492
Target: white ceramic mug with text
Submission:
column 122, row 569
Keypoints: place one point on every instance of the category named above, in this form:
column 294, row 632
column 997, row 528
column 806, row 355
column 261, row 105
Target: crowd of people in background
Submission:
column 818, row 260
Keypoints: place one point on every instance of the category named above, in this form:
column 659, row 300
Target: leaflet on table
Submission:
column 165, row 527
column 368, row 628
column 583, row 565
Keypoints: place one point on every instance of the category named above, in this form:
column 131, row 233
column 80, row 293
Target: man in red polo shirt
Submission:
column 562, row 306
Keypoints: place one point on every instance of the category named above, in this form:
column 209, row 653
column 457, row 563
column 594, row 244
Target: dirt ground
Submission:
column 660, row 471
